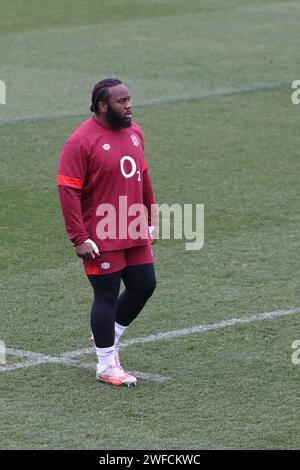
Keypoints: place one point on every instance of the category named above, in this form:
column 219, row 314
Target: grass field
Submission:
column 211, row 84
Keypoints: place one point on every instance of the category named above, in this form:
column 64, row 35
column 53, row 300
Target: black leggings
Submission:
column 108, row 308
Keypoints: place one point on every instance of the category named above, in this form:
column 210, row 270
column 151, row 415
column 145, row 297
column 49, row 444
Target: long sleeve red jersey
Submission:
column 97, row 166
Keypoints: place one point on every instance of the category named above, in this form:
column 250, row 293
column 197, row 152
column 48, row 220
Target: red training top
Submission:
column 97, row 165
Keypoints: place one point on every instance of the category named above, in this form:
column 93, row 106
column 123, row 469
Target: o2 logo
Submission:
column 133, row 170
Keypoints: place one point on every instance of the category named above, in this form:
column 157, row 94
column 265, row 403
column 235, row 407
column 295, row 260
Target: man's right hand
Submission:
column 86, row 250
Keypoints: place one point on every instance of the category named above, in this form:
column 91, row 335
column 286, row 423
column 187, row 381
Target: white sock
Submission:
column 105, row 357
column 119, row 330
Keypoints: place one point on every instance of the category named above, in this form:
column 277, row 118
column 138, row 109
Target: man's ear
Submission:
column 102, row 107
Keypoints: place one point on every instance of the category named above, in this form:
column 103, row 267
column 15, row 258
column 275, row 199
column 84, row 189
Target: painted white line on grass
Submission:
column 39, row 359
column 153, row 377
column 192, row 330
column 34, row 359
column 212, row 326
column 68, row 357
column 143, row 375
column 18, row 365
column 38, row 362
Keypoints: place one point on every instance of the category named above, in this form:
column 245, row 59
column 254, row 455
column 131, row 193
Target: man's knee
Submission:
column 106, row 288
column 151, row 287
column 145, row 289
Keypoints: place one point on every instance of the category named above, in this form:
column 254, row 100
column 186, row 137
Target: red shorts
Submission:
column 113, row 261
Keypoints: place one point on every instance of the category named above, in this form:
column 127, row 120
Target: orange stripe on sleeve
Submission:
column 145, row 166
column 69, row 181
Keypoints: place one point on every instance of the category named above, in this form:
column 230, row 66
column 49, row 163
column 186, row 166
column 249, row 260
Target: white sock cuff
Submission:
column 119, row 330
column 104, row 351
column 105, row 357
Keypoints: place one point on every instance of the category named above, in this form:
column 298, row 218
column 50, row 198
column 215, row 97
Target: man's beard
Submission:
column 115, row 119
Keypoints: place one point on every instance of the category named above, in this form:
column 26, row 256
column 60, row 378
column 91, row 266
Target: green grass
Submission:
column 52, row 53
column 234, row 387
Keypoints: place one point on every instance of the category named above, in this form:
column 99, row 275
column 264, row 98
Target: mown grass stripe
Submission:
column 153, row 104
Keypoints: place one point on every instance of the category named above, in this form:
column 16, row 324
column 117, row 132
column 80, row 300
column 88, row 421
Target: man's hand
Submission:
column 87, row 250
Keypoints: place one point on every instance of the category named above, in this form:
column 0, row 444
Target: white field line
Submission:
column 38, row 359
column 192, row 330
column 68, row 357
column 136, row 373
column 34, row 359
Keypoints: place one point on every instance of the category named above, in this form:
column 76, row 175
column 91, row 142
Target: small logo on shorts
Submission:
column 106, row 146
column 105, row 265
column 135, row 140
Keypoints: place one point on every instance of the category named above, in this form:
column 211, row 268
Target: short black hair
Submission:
column 100, row 92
